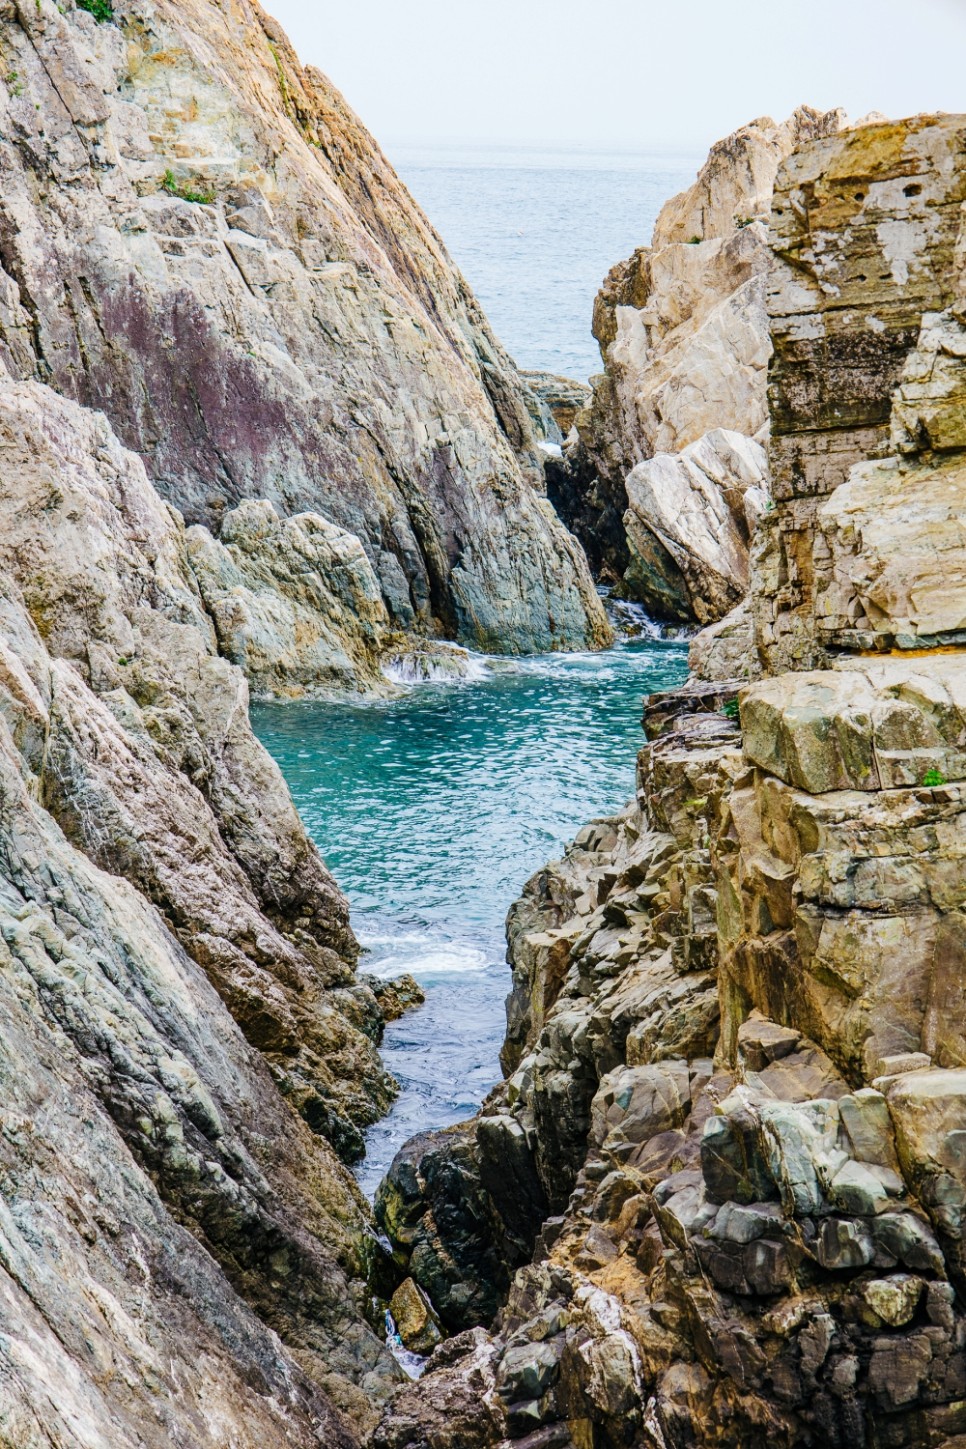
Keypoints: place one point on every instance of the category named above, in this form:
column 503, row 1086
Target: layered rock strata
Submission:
column 866, row 322
column 735, row 1052
column 198, row 238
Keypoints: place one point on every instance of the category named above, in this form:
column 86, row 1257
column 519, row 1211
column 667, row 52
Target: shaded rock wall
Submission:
column 198, row 237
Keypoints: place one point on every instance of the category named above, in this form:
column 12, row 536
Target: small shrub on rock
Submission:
column 102, row 10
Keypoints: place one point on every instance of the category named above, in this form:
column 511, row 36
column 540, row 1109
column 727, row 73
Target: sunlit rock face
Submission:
column 199, row 238
column 683, row 331
column 690, row 523
column 869, row 227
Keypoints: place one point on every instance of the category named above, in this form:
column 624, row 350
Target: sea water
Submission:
column 432, row 810
column 536, row 229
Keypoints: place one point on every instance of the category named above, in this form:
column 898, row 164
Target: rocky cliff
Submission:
column 725, row 1169
column 184, row 1258
column 254, row 431
column 200, row 240
column 684, row 338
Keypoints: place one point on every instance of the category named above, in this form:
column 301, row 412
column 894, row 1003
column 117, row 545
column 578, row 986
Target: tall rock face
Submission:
column 683, row 332
column 183, row 1256
column 213, row 294
column 737, row 1030
column 866, row 318
column 199, row 239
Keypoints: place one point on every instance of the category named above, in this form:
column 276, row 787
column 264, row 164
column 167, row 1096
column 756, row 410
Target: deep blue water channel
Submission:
column 432, row 810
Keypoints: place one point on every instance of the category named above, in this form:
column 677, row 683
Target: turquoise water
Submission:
column 432, row 810
column 536, row 229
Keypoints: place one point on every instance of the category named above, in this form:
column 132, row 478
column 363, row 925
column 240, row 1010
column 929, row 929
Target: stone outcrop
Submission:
column 148, row 763
column 562, row 397
column 868, row 226
column 295, row 602
column 735, row 1050
column 198, row 238
column 183, row 1253
column 690, row 523
column 683, row 331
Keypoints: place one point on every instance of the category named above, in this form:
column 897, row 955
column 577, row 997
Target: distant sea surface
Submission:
column 535, row 231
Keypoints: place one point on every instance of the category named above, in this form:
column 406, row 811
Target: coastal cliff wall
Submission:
column 659, row 498
column 199, row 239
column 186, row 1047
column 730, row 1182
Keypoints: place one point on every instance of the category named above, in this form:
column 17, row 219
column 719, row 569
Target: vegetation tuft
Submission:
column 174, row 187
column 102, row 10
column 933, row 778
column 730, row 710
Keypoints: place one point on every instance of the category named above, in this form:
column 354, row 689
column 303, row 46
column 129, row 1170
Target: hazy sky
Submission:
column 641, row 74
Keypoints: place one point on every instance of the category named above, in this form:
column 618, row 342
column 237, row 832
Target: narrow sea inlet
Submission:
column 433, row 810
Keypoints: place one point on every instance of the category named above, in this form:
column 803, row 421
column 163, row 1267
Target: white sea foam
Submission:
column 422, row 956
column 452, row 666
column 411, row 1363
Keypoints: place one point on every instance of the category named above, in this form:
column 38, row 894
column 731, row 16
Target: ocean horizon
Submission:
column 535, row 229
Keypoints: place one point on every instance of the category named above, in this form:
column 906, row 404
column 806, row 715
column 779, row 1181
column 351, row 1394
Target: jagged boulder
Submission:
column 295, row 602
column 689, row 526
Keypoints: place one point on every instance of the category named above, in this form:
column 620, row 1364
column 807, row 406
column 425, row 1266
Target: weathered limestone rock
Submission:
column 295, row 602
column 161, row 1204
column 233, row 273
column 682, row 324
column 866, row 228
column 684, row 339
column 883, row 726
column 726, row 649
column 927, row 1108
column 689, row 526
column 613, row 965
column 889, row 547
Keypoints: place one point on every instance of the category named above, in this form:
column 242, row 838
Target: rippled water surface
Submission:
column 536, row 229
column 432, row 810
